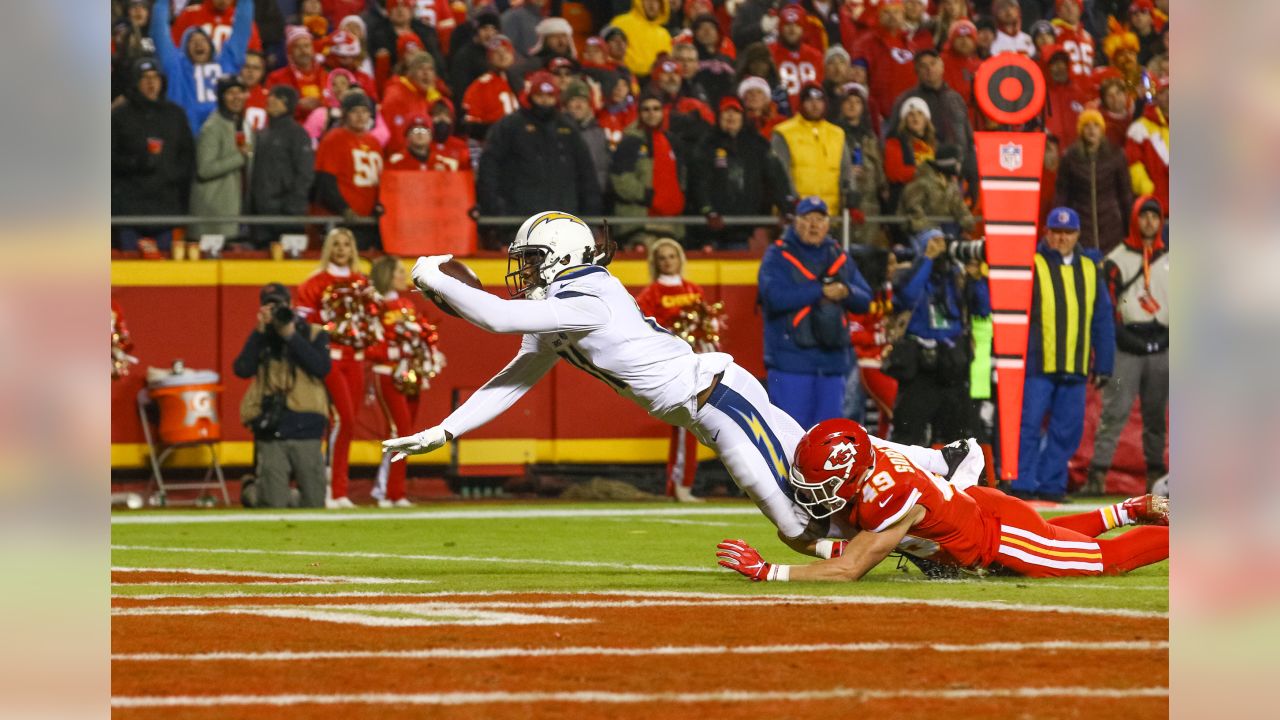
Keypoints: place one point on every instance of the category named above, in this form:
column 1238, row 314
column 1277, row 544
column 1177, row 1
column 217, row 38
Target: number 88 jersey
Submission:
column 952, row 520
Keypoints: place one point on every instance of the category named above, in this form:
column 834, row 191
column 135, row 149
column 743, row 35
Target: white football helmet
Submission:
column 545, row 245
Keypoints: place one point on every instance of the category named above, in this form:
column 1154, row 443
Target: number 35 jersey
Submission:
column 954, row 529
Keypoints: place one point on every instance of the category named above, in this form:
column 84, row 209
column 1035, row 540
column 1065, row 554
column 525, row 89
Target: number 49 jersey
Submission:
column 954, row 529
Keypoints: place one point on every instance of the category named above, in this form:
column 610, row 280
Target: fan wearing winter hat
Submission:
column 490, row 97
column 221, row 153
column 349, row 164
column 302, row 73
column 283, row 166
column 912, row 144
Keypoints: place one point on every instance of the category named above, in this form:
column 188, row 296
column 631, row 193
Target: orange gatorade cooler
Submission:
column 188, row 405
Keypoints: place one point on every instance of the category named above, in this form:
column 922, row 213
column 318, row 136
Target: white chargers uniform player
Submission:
column 569, row 307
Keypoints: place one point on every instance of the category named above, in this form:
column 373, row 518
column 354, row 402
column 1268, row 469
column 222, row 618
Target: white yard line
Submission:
column 601, row 697
column 301, row 578
column 659, row 599
column 520, row 652
column 517, row 512
column 432, row 558
column 375, row 615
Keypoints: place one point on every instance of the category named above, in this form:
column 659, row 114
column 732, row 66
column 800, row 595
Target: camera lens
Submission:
column 282, row 314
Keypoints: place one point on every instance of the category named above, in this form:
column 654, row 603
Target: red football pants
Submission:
column 346, row 385
column 400, row 411
column 682, row 460
column 1031, row 546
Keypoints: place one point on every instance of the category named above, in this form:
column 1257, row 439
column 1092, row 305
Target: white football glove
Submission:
column 423, row 442
column 427, row 270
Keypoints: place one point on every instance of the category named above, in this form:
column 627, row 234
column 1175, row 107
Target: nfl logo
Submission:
column 1011, row 156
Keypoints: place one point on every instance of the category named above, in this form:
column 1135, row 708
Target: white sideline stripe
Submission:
column 486, row 698
column 169, row 517
column 319, row 579
column 1048, row 542
column 729, row 599
column 433, row 558
column 1038, row 583
column 1046, row 562
column 507, row 652
column 490, row 514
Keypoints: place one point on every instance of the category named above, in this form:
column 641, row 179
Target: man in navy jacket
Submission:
column 931, row 361
column 808, row 285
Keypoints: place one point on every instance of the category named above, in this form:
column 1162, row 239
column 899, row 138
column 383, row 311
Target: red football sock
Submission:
column 1134, row 549
column 1088, row 523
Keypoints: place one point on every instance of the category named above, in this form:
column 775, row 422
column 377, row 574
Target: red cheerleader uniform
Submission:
column 400, row 376
column 319, row 301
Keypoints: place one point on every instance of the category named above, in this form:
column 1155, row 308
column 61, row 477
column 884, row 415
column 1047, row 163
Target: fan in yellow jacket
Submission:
column 647, row 36
column 814, row 152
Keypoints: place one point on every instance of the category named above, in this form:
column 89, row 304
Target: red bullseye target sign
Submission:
column 1009, row 88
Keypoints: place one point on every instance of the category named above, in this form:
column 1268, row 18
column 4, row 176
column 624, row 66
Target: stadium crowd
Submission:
column 713, row 108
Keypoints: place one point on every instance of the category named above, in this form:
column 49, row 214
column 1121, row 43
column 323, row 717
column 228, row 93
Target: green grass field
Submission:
column 505, row 546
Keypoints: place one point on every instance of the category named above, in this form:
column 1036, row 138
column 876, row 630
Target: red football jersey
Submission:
column 356, row 161
column 255, row 109
column 217, row 25
column 663, row 303
column 796, row 67
column 488, row 99
column 1079, row 46
column 452, row 154
column 954, row 529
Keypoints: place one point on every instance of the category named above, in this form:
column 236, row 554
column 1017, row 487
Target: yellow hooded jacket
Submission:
column 646, row 39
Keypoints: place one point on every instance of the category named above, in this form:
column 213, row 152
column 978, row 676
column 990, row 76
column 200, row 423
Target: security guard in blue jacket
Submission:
column 1072, row 336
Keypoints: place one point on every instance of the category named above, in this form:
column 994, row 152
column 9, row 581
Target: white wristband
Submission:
column 823, row 549
column 779, row 573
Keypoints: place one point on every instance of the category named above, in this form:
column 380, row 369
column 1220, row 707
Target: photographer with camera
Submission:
column 808, row 287
column 931, row 359
column 286, row 405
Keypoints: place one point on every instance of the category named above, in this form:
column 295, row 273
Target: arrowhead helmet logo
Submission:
column 1011, row 156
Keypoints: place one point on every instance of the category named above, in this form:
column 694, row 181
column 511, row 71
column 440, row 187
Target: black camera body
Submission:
column 268, row 421
column 282, row 314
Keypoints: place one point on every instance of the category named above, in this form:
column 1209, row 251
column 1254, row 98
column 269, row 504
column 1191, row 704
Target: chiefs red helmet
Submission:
column 830, row 460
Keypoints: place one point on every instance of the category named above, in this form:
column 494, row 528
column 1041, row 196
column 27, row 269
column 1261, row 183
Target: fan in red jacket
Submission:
column 489, row 98
column 450, row 152
column 214, row 17
column 409, row 95
column 960, row 60
column 404, row 363
column 890, row 59
column 302, row 73
column 337, row 296
column 797, row 62
column 664, row 301
column 1065, row 95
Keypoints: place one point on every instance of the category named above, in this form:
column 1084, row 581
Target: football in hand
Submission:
column 459, row 272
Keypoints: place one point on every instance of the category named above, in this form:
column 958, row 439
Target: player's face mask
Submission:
column 818, row 499
column 524, row 276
